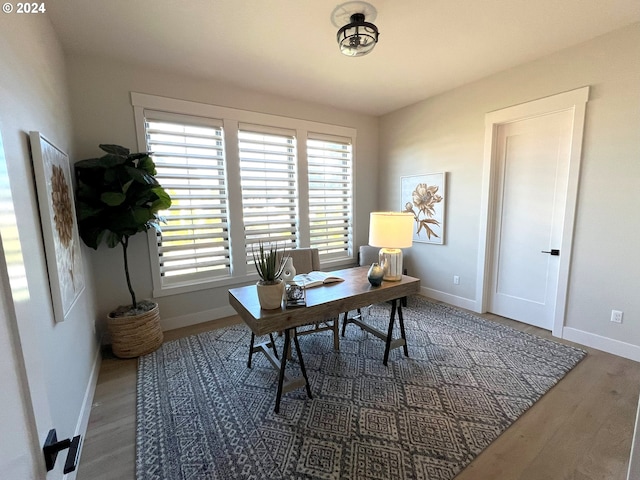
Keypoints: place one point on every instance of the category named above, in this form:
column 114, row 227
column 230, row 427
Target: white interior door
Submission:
column 25, row 396
column 516, row 196
column 532, row 166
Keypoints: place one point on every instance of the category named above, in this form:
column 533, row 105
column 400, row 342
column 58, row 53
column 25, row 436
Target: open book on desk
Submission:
column 315, row 278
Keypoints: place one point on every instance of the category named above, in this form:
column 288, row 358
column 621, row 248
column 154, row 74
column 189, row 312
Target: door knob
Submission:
column 553, row 252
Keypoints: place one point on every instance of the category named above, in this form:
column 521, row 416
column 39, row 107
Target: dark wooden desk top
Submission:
column 322, row 302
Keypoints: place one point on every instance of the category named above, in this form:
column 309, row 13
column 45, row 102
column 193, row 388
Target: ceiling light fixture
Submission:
column 358, row 37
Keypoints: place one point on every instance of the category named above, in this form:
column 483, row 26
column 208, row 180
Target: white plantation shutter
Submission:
column 237, row 178
column 269, row 194
column 190, row 161
column 330, row 166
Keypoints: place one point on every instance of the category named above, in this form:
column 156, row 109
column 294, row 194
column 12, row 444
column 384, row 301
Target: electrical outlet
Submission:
column 456, row 280
column 616, row 316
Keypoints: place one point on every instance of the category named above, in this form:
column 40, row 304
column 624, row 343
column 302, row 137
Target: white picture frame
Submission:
column 424, row 196
column 59, row 225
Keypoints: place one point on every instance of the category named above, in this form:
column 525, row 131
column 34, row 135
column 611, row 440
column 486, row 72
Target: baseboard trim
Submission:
column 172, row 323
column 454, row 300
column 85, row 410
column 615, row 347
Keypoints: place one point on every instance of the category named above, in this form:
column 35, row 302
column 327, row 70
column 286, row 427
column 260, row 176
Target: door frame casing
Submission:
column 574, row 100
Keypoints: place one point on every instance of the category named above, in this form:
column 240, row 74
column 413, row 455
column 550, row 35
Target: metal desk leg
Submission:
column 253, row 337
column 402, row 334
column 304, row 370
column 345, row 319
column 336, row 333
column 273, row 345
column 392, row 319
column 283, row 363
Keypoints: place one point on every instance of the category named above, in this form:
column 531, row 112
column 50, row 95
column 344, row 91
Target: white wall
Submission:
column 446, row 133
column 102, row 113
column 59, row 359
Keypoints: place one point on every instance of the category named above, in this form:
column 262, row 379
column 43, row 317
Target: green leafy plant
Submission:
column 266, row 262
column 118, row 196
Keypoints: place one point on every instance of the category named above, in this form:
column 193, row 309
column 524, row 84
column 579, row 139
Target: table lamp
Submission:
column 391, row 231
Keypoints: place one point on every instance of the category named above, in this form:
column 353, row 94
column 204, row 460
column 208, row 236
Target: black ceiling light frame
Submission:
column 357, row 38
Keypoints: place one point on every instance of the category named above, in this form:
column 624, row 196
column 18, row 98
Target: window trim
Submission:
column 232, row 119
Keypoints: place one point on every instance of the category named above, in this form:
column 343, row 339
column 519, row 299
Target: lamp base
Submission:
column 391, row 261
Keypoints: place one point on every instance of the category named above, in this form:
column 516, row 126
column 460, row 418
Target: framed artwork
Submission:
column 424, row 196
column 59, row 225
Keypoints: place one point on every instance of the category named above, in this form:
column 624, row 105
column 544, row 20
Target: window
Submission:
column 329, row 164
column 269, row 194
column 236, row 178
column 189, row 158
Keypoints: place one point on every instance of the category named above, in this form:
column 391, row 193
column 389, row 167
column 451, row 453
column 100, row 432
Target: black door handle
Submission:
column 553, row 252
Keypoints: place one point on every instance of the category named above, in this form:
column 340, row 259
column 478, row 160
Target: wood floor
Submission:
column 581, row 429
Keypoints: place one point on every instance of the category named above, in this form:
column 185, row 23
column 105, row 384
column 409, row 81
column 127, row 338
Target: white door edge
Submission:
column 30, row 369
column 574, row 100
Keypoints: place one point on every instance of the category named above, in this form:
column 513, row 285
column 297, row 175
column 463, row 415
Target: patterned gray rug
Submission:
column 203, row 415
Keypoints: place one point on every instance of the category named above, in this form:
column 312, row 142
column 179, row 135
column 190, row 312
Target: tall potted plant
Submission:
column 270, row 286
column 117, row 197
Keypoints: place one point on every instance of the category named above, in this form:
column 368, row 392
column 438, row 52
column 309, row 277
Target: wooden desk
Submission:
column 322, row 302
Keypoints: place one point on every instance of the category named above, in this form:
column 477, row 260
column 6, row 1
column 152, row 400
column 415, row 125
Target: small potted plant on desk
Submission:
column 118, row 196
column 270, row 286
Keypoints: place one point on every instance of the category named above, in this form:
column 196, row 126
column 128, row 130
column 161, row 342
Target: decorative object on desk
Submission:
column 270, row 286
column 391, row 231
column 424, row 197
column 270, row 294
column 118, row 197
column 432, row 413
column 295, row 295
column 375, row 274
column 58, row 222
column 289, row 270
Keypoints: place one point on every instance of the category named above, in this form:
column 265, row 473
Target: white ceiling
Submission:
column 288, row 47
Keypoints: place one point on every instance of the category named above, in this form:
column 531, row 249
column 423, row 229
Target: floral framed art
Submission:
column 424, row 196
column 59, row 225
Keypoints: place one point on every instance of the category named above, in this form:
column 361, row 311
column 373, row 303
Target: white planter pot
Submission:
column 270, row 296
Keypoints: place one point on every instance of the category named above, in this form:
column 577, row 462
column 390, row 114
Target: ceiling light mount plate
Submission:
column 341, row 15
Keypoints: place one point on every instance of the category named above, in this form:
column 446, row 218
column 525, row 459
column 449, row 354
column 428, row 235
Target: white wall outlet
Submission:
column 616, row 316
column 456, row 280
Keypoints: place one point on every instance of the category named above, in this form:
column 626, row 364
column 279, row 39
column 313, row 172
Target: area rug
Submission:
column 202, row 414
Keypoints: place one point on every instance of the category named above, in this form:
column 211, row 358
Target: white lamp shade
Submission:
column 391, row 229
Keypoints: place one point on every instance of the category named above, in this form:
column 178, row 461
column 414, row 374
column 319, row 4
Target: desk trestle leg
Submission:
column 399, row 342
column 390, row 343
column 295, row 383
column 261, row 348
column 283, row 364
column 304, row 370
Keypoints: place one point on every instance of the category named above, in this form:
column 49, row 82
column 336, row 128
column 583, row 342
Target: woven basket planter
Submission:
column 133, row 336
